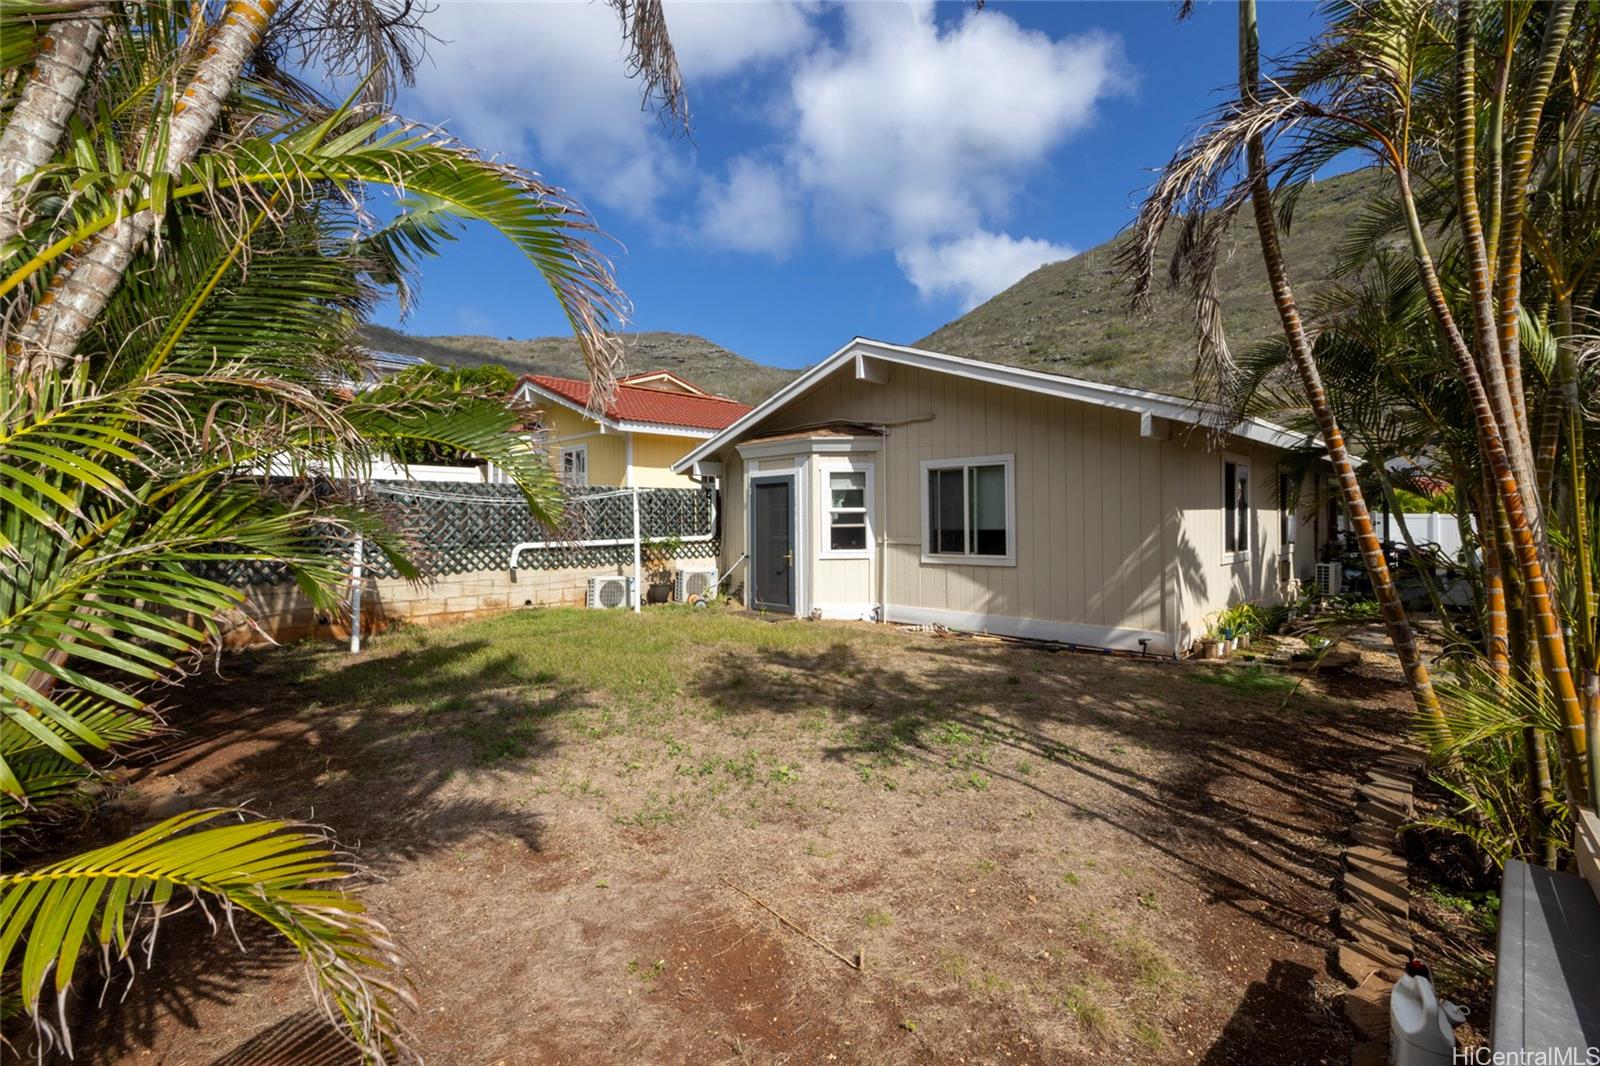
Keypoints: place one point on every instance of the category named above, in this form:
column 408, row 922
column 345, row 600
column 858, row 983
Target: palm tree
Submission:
column 1520, row 244
column 1189, row 181
column 181, row 296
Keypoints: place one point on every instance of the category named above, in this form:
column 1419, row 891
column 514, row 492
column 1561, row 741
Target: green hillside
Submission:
column 1072, row 317
column 711, row 367
column 1067, row 318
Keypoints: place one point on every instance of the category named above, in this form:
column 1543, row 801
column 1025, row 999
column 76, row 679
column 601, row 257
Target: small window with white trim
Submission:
column 970, row 509
column 1235, row 508
column 847, row 510
column 575, row 466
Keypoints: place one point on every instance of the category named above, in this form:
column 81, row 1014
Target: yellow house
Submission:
column 654, row 420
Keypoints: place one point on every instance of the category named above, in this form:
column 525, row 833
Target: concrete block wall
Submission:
column 283, row 613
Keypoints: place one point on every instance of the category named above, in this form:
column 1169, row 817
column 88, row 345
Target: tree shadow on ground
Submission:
column 1279, row 1020
column 1248, row 797
column 286, row 738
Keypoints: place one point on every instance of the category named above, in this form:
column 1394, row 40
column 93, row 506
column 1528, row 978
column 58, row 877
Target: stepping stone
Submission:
column 1375, row 932
column 1359, row 907
column 1389, row 779
column 1359, row 963
column 1370, row 858
column 1399, row 798
column 1382, row 814
column 1378, row 892
column 1372, row 835
column 1367, row 1007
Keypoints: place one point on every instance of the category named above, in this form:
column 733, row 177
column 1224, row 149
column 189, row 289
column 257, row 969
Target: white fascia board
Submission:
column 769, row 449
column 1118, row 397
column 664, row 429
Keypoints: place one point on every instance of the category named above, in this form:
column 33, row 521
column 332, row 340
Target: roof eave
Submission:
column 1174, row 408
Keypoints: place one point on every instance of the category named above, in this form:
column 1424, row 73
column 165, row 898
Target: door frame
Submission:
column 797, row 528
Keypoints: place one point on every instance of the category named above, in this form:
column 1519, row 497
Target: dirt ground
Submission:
column 1042, row 857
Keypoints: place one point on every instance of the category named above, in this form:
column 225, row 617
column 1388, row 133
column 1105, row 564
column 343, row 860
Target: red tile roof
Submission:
column 633, row 403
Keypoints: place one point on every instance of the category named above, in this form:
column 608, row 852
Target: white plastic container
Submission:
column 1421, row 1028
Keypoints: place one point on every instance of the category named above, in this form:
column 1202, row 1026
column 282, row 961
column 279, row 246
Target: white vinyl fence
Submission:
column 1434, row 528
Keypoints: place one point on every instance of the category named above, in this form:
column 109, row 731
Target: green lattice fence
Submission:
column 457, row 527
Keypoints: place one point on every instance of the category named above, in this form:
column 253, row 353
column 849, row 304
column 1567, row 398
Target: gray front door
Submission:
column 772, row 511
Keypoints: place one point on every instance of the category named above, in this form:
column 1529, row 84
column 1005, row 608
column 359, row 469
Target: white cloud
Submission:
column 714, row 40
column 974, row 267
column 916, row 137
column 753, row 211
column 545, row 85
column 909, row 131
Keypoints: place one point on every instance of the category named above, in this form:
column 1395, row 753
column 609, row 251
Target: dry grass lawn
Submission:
column 1042, row 857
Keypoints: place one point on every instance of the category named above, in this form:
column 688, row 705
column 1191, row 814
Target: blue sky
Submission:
column 871, row 168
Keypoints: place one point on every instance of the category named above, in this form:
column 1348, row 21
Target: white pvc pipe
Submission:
column 613, row 542
column 355, row 596
column 638, row 589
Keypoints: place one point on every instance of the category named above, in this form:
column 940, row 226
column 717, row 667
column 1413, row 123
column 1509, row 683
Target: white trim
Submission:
column 846, row 612
column 636, row 381
column 627, row 461
column 1032, row 628
column 768, row 449
column 1233, row 558
column 797, row 519
column 618, row 425
column 1139, row 401
column 826, row 466
column 1009, row 461
column 576, row 449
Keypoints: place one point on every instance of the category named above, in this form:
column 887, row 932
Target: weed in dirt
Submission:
column 877, row 918
column 647, row 974
column 978, row 782
column 955, row 964
column 1024, row 768
column 1252, row 679
column 1153, row 969
column 818, row 851
column 1482, row 908
column 1149, row 902
column 1080, row 1002
column 1070, row 878
column 1149, row 1036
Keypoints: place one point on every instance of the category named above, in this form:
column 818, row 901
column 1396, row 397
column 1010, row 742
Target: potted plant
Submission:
column 658, row 557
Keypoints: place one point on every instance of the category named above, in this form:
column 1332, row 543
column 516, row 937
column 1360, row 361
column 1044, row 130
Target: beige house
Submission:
column 903, row 485
column 653, row 420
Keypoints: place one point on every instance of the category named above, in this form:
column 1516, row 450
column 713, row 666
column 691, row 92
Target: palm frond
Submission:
column 114, row 897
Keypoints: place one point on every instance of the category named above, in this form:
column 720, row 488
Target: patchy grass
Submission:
column 570, row 811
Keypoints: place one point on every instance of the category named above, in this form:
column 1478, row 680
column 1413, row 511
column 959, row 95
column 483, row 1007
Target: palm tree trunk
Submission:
column 81, row 289
column 1495, row 622
column 1485, row 333
column 1523, row 540
column 1508, row 286
column 66, row 52
column 1355, row 503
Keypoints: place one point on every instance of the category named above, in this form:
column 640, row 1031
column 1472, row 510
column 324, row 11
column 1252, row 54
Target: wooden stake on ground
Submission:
column 858, row 963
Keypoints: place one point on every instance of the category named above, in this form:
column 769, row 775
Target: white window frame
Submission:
column 1238, row 555
column 574, row 449
column 929, row 556
column 826, row 468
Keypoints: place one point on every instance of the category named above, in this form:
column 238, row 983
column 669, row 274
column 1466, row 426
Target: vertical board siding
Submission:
column 1112, row 528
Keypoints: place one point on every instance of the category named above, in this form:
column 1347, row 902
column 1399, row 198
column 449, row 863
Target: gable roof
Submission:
column 642, row 409
column 663, row 378
column 863, row 351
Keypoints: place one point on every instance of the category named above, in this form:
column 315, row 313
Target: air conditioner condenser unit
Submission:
column 611, row 591
column 691, row 583
column 1330, row 579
